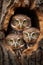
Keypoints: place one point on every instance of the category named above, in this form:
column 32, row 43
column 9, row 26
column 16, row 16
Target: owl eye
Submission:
column 10, row 42
column 35, row 35
column 15, row 22
column 19, row 40
column 27, row 23
column 26, row 35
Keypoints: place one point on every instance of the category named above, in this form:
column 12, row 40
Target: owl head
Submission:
column 31, row 35
column 15, row 41
column 20, row 22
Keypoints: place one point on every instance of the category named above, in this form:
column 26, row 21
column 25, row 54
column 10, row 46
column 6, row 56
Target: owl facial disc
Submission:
column 20, row 22
column 31, row 35
column 15, row 41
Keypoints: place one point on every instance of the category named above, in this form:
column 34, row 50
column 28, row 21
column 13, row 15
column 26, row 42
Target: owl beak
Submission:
column 16, row 44
column 20, row 25
column 29, row 37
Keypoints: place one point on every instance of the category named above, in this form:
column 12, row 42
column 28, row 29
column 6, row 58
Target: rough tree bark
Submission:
column 7, row 9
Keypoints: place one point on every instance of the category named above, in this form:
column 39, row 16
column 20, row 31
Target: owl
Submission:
column 31, row 35
column 15, row 41
column 20, row 22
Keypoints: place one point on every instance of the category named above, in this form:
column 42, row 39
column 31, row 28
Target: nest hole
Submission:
column 30, row 13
